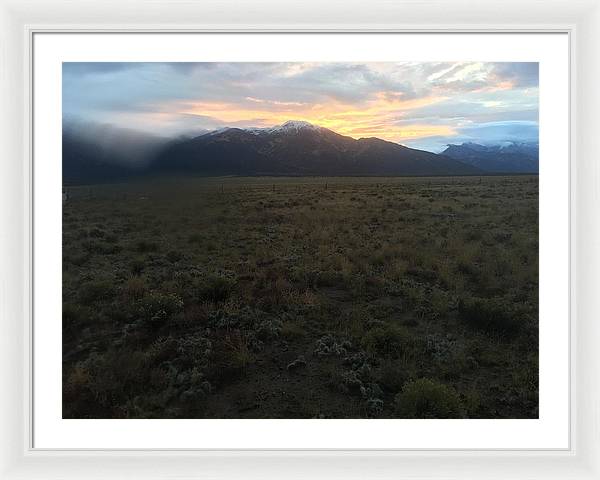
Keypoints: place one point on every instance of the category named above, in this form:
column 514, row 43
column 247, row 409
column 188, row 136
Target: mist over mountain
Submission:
column 116, row 145
column 104, row 153
column 101, row 152
column 509, row 157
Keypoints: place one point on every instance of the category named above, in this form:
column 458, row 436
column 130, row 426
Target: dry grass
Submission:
column 437, row 277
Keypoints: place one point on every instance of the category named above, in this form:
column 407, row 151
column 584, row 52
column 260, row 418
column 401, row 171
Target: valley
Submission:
column 301, row 297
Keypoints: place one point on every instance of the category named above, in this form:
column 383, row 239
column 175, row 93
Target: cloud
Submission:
column 398, row 101
column 95, row 68
column 118, row 145
column 490, row 133
column 520, row 74
column 495, row 132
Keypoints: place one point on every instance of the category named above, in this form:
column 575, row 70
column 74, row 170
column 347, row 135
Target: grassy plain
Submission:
column 301, row 298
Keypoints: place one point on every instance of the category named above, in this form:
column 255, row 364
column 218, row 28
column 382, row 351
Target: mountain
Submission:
column 300, row 148
column 506, row 158
column 102, row 153
column 85, row 162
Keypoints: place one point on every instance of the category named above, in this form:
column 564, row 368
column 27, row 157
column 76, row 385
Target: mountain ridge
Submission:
column 293, row 148
column 300, row 148
column 509, row 157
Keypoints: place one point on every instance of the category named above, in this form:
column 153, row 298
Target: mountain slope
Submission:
column 86, row 162
column 94, row 153
column 299, row 148
column 510, row 158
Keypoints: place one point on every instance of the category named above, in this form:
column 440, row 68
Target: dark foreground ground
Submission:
column 302, row 298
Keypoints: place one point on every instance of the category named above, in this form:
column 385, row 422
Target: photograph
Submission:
column 300, row 240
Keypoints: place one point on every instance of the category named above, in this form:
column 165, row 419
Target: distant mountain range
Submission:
column 300, row 148
column 506, row 158
column 294, row 148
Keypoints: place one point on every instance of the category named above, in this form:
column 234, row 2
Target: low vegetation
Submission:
column 302, row 298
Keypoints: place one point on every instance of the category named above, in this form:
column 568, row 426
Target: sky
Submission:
column 424, row 105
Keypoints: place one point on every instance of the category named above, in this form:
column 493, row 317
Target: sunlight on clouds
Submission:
column 492, row 103
column 471, row 72
column 395, row 101
column 400, row 134
column 440, row 73
column 343, row 118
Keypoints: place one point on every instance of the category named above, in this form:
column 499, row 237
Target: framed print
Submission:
column 238, row 247
column 295, row 242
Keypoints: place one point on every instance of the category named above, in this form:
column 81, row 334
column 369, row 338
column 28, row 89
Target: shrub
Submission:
column 78, row 259
column 144, row 246
column 96, row 290
column 391, row 376
column 329, row 278
column 137, row 266
column 328, row 345
column 157, row 308
column 388, row 340
column 74, row 316
column 135, row 288
column 374, row 407
column 422, row 274
column 425, row 398
column 96, row 232
column 292, row 331
column 161, row 350
column 267, row 328
column 490, row 315
column 169, row 302
column 103, row 382
column 174, row 256
column 100, row 247
column 198, row 390
column 232, row 355
column 195, row 238
column 215, row 289
column 256, row 325
column 194, row 350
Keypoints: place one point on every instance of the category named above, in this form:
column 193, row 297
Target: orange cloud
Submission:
column 402, row 133
column 372, row 118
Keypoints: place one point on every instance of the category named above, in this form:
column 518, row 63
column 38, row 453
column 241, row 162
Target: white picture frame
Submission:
column 19, row 21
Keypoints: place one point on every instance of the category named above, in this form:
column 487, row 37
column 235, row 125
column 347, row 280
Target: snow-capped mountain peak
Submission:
column 217, row 131
column 293, row 126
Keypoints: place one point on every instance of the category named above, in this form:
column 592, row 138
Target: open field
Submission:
column 302, row 298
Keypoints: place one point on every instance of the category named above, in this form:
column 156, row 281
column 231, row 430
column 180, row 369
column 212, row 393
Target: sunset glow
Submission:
column 424, row 105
